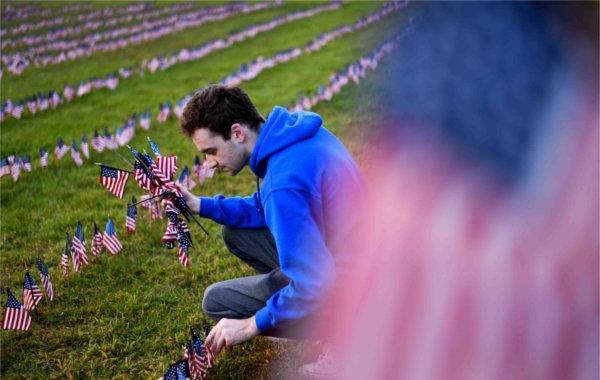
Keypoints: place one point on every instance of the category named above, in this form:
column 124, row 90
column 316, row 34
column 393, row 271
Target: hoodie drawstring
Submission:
column 258, row 192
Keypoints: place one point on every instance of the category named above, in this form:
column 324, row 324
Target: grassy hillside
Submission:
column 128, row 315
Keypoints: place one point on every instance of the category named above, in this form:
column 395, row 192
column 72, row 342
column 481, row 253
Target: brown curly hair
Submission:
column 218, row 108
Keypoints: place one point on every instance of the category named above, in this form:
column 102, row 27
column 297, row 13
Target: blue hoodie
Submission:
column 308, row 178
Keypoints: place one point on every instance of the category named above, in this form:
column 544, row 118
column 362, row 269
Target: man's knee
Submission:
column 211, row 304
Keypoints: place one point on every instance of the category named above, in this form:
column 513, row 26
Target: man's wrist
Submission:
column 252, row 327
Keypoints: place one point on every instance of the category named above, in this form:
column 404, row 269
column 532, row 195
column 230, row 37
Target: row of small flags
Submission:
column 16, row 315
column 353, row 72
column 76, row 248
column 13, row 165
column 250, row 71
column 197, row 359
column 53, row 99
column 66, row 50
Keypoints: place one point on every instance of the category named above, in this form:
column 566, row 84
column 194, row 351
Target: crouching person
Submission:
column 293, row 230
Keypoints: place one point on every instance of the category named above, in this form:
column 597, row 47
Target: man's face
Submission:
column 228, row 156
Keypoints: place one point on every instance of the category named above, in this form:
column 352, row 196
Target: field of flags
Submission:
column 91, row 99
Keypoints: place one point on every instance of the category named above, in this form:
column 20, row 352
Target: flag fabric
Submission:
column 96, row 241
column 131, row 216
column 32, row 295
column 15, row 169
column 43, row 157
column 113, row 179
column 26, row 163
column 45, row 276
column 64, row 257
column 79, row 245
column 85, row 148
column 61, row 149
column 110, row 142
column 110, row 239
column 198, row 351
column 143, row 173
column 154, row 147
column 15, row 315
column 97, row 142
column 183, row 256
column 74, row 255
column 4, row 167
column 75, row 155
column 145, row 119
column 195, row 365
column 177, row 371
column 185, row 179
column 202, row 170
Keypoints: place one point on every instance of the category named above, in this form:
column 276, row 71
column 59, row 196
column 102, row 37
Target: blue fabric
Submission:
column 308, row 179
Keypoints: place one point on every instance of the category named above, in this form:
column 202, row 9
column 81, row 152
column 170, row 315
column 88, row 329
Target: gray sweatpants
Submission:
column 243, row 297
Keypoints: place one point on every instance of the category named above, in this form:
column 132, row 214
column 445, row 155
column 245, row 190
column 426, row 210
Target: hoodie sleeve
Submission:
column 303, row 255
column 239, row 212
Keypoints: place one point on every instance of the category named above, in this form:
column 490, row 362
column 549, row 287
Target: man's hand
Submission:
column 192, row 200
column 229, row 332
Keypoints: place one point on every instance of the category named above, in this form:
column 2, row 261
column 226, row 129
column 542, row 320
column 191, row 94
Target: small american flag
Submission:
column 15, row 315
column 74, row 255
column 185, row 179
column 166, row 165
column 113, row 179
column 64, row 257
column 43, row 157
column 45, row 275
column 198, row 350
column 154, row 147
column 61, row 149
column 32, row 295
column 110, row 239
column 131, row 215
column 195, row 366
column 75, row 155
column 110, row 142
column 79, row 245
column 85, row 147
column 15, row 169
column 183, row 257
column 26, row 163
column 96, row 241
column 97, row 142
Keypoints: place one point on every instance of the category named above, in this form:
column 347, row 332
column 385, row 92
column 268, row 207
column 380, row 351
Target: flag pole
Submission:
column 152, row 197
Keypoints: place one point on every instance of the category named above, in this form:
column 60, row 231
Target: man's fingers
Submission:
column 210, row 336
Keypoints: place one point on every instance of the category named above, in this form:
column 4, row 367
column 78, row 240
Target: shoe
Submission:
column 326, row 366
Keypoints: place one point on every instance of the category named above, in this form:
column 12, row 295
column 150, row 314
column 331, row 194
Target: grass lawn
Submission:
column 128, row 315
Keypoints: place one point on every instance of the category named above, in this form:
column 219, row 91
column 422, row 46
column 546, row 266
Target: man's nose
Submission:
column 212, row 164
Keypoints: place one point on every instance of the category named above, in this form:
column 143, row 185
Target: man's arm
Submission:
column 239, row 212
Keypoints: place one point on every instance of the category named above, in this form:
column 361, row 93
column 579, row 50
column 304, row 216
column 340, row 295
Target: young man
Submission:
column 292, row 230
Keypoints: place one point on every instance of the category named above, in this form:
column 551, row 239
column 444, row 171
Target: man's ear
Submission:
column 238, row 132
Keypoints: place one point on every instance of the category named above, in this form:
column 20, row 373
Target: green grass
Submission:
column 127, row 315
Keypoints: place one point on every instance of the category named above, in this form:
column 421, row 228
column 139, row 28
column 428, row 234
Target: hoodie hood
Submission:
column 281, row 130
